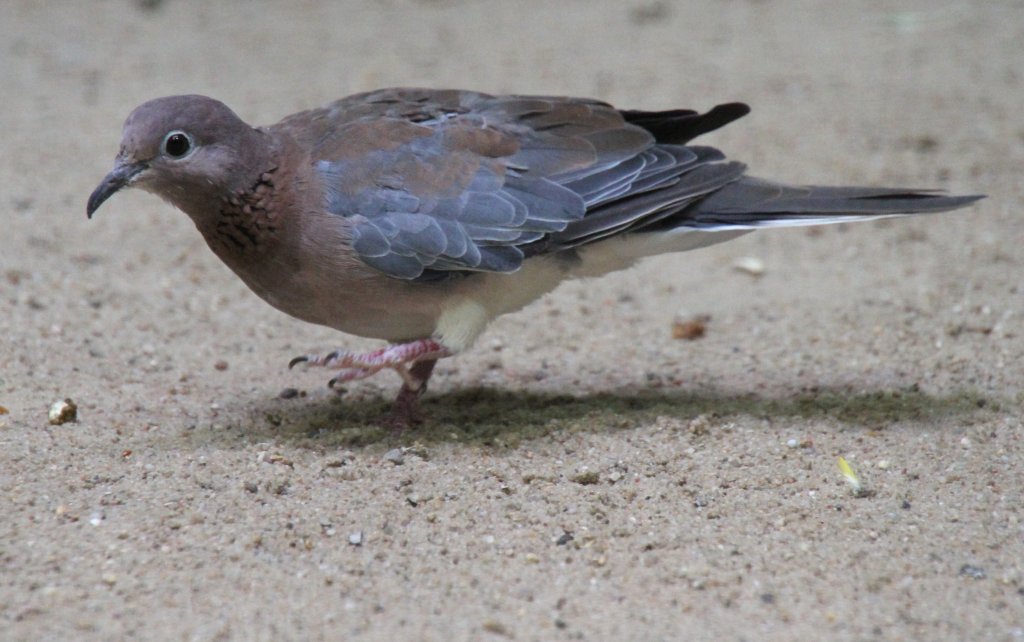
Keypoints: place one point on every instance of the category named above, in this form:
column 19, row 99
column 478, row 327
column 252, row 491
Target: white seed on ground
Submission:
column 61, row 412
column 749, row 265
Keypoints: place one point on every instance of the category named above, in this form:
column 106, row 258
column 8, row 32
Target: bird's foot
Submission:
column 354, row 366
column 413, row 361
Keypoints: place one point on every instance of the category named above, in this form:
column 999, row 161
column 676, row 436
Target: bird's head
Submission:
column 185, row 149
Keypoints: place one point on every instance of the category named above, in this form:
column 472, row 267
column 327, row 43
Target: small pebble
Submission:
column 356, row 538
column 61, row 412
column 793, row 443
column 221, row 365
column 586, row 478
column 497, row 628
column 288, row 393
column 699, row 425
column 973, row 572
column 690, row 329
column 395, row 456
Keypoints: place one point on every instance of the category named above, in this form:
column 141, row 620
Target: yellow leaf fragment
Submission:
column 851, row 477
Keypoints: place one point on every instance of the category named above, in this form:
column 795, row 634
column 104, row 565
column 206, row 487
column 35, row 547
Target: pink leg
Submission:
column 406, row 411
column 413, row 361
column 359, row 366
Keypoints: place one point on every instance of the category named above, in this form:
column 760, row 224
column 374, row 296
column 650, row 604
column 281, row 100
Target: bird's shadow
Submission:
column 494, row 417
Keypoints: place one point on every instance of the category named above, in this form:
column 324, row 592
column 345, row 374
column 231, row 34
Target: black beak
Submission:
column 121, row 175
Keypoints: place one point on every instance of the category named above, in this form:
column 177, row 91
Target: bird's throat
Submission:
column 246, row 218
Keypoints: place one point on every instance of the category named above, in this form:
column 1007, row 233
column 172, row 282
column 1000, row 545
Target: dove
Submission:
column 418, row 216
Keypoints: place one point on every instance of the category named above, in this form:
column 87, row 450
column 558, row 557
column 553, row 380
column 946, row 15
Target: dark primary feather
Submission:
column 680, row 126
column 439, row 183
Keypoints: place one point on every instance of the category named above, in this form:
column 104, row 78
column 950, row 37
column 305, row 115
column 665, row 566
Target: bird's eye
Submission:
column 177, row 144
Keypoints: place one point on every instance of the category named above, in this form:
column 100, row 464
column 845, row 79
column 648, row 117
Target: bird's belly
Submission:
column 374, row 315
column 382, row 309
column 362, row 302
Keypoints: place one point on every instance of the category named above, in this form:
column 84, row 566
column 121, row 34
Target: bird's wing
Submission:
column 435, row 183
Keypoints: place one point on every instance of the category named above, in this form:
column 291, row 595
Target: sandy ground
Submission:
column 585, row 476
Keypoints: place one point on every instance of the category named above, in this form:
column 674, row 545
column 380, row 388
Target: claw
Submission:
column 297, row 360
column 331, row 356
column 353, row 374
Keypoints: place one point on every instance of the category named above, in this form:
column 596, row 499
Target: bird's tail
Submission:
column 748, row 204
column 752, row 203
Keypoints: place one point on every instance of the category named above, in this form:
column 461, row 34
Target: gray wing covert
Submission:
column 436, row 183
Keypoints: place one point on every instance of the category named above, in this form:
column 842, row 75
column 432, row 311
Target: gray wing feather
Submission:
column 439, row 183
